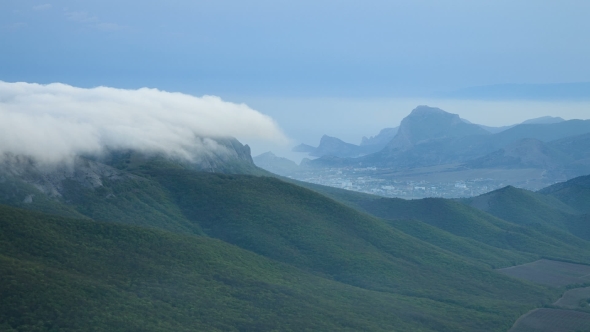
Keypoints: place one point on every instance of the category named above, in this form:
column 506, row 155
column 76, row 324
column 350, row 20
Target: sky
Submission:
column 343, row 68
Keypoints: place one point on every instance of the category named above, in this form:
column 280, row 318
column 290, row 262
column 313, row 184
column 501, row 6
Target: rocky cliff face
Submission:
column 220, row 155
column 227, row 155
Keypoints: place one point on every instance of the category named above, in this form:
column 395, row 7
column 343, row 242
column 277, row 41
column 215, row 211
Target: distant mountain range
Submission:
column 541, row 120
column 278, row 165
column 332, row 146
column 424, row 123
column 568, row 156
column 430, row 137
column 380, row 140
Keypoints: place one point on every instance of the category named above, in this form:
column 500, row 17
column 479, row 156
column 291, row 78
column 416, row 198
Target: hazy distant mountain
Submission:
column 332, row 146
column 335, row 147
column 541, row 120
column 544, row 120
column 278, row 165
column 561, row 159
column 495, row 130
column 303, row 148
column 380, row 140
column 428, row 123
column 430, row 136
column 577, row 146
column 543, row 132
column 525, row 153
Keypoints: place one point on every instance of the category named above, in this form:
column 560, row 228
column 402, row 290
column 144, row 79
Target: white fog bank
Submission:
column 55, row 122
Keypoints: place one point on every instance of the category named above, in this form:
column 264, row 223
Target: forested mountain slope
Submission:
column 252, row 247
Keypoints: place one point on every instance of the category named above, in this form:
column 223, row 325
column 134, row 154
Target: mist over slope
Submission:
column 55, row 122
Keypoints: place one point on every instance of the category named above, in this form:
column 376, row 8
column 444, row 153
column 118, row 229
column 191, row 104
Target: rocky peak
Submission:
column 427, row 123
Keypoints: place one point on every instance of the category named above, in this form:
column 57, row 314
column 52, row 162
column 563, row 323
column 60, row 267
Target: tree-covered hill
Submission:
column 206, row 251
column 562, row 207
column 575, row 193
column 523, row 224
column 69, row 275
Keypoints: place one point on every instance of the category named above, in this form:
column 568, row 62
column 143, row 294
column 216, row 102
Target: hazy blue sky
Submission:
column 276, row 55
column 292, row 48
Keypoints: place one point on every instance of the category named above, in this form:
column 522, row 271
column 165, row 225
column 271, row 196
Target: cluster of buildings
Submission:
column 378, row 183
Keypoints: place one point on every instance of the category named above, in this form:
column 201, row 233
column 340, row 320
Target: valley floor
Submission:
column 447, row 181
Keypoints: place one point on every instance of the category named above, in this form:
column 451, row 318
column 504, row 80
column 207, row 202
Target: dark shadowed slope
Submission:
column 523, row 207
column 73, row 275
column 575, row 193
column 469, row 222
column 549, row 236
column 430, row 136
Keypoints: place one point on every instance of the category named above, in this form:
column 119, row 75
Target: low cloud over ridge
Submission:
column 55, row 122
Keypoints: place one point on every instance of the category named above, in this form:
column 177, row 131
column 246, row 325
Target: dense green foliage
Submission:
column 135, row 201
column 509, row 218
column 575, row 193
column 66, row 274
column 557, row 208
column 469, row 248
column 293, row 225
column 61, row 274
column 15, row 192
column 468, row 222
column 204, row 251
column 523, row 207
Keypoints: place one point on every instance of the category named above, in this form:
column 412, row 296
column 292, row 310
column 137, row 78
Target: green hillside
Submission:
column 546, row 229
column 131, row 200
column 543, row 209
column 135, row 201
column 470, row 249
column 254, row 248
column 523, row 207
column 15, row 192
column 541, row 240
column 302, row 228
column 67, row 274
column 575, row 193
column 71, row 275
